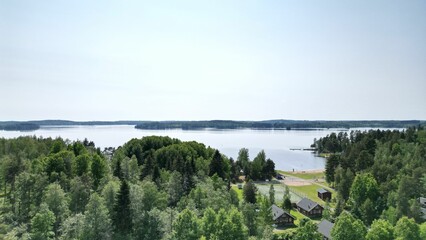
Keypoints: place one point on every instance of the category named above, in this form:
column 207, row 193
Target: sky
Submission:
column 204, row 60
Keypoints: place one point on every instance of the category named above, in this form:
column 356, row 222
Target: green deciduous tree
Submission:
column 57, row 202
column 42, row 224
column 250, row 218
column 97, row 224
column 244, row 161
column 72, row 228
column 326, row 213
column 265, row 212
column 148, row 225
column 208, row 223
column 363, row 193
column 79, row 193
column 307, row 230
column 380, row 230
column 82, row 164
column 406, row 228
column 344, row 179
column 224, row 226
column 28, row 194
column 237, row 230
column 186, row 226
column 348, row 228
column 423, row 229
column 175, row 188
column 98, row 169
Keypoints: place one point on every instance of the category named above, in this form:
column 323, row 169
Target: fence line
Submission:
column 301, row 195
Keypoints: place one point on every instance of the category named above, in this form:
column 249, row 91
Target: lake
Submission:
column 275, row 143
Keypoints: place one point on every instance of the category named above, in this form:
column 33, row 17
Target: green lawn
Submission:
column 239, row 192
column 298, row 216
column 310, row 191
column 308, row 176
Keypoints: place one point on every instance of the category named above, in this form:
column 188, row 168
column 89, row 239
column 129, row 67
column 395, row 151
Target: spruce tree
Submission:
column 122, row 216
column 117, row 170
column 216, row 165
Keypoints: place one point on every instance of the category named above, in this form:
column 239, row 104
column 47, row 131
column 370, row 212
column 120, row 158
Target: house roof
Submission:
column 423, row 213
column 324, row 227
column 278, row 212
column 307, row 204
column 322, row 190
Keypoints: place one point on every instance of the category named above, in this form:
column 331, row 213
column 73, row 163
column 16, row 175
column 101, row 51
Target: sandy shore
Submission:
column 305, row 171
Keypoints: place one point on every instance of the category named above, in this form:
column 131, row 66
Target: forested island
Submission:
column 18, row 126
column 216, row 124
column 163, row 188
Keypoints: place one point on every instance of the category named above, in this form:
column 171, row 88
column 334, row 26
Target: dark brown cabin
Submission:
column 324, row 194
column 281, row 217
column 309, row 208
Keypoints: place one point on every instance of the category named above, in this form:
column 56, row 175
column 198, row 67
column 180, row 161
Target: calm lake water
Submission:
column 276, row 143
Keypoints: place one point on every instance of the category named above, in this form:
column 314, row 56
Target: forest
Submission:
column 276, row 124
column 216, row 124
column 150, row 188
column 164, row 188
column 380, row 176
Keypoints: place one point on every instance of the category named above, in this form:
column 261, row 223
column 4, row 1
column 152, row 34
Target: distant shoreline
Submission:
column 219, row 124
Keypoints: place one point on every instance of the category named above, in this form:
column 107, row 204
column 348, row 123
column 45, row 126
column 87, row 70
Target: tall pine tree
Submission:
column 216, row 165
column 122, row 219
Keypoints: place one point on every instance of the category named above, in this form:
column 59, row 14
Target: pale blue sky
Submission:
column 193, row 60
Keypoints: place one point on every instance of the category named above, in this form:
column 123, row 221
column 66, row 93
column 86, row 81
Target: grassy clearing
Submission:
column 310, row 191
column 298, row 216
column 306, row 175
column 239, row 192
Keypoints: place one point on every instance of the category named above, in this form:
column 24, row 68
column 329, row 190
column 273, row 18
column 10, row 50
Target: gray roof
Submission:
column 322, row 190
column 307, row 204
column 423, row 213
column 278, row 212
column 324, row 227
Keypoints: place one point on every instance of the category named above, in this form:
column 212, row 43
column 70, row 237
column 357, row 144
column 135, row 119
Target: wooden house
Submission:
column 324, row 228
column 324, row 194
column 281, row 217
column 309, row 208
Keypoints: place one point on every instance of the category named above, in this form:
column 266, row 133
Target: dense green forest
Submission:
column 18, row 126
column 164, row 188
column 276, row 124
column 379, row 176
column 150, row 188
column 217, row 124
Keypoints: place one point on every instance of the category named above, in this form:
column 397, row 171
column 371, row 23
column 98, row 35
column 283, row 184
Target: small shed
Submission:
column 281, row 217
column 324, row 228
column 324, row 194
column 309, row 208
